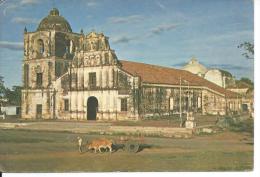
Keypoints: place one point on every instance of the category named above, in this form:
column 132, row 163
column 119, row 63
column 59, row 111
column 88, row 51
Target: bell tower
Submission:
column 47, row 53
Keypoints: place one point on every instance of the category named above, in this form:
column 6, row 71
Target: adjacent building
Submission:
column 218, row 76
column 247, row 93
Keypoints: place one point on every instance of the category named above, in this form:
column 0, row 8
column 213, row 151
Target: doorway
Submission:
column 38, row 111
column 244, row 107
column 92, row 108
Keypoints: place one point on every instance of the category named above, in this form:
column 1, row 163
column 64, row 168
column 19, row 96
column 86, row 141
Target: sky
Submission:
column 161, row 32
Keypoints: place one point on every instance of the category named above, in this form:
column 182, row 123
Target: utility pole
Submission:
column 188, row 96
column 54, row 104
column 180, row 104
column 239, row 102
column 226, row 103
column 188, row 93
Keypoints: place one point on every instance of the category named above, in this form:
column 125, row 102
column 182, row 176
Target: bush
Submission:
column 243, row 126
column 236, row 124
column 225, row 122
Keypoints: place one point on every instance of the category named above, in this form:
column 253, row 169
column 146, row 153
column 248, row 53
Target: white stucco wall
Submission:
column 9, row 110
column 215, row 76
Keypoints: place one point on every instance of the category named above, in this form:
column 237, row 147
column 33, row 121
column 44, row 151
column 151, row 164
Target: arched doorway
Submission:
column 92, row 108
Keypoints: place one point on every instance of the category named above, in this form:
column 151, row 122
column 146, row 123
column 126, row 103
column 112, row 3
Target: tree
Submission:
column 247, row 81
column 249, row 49
column 14, row 95
column 2, row 87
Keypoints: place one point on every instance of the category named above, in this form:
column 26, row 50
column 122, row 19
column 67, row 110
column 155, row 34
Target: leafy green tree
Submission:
column 246, row 80
column 14, row 95
column 2, row 87
column 249, row 49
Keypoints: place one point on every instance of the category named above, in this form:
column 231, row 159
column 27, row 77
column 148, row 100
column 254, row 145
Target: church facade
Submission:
column 77, row 76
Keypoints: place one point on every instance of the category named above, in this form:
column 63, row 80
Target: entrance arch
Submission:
column 92, row 108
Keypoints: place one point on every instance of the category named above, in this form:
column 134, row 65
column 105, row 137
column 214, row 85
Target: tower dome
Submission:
column 54, row 22
column 195, row 67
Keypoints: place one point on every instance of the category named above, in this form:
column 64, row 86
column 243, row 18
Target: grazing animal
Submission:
column 100, row 143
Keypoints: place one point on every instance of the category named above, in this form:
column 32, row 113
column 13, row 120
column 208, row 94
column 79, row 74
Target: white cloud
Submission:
column 92, row 4
column 13, row 6
column 2, row 1
column 121, row 39
column 9, row 8
column 29, row 2
column 160, row 5
column 162, row 28
column 126, row 19
column 245, row 35
column 89, row 16
column 11, row 45
column 22, row 20
column 231, row 35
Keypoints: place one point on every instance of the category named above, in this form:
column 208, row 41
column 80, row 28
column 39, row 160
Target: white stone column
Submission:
column 86, row 78
column 108, row 104
column 104, row 104
column 107, row 77
column 73, row 102
column 98, row 78
column 118, row 106
column 110, row 57
column 82, row 78
column 100, row 102
column 103, row 78
column 79, row 102
column 111, row 101
column 103, row 58
column 111, row 79
column 78, row 77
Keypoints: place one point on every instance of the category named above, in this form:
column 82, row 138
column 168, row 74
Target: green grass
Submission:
column 34, row 151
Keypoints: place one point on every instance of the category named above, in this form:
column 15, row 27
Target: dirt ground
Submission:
column 38, row 151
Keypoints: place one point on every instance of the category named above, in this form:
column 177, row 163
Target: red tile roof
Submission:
column 164, row 75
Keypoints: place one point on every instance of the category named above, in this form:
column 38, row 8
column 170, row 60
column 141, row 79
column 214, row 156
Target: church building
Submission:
column 77, row 76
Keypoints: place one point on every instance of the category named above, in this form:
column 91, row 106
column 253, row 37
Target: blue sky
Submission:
column 163, row 32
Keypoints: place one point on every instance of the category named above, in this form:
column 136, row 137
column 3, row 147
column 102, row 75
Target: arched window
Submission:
column 40, row 46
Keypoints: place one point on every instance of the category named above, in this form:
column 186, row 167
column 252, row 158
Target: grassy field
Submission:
column 32, row 151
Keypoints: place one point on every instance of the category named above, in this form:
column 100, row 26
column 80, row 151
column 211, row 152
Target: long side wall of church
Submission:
column 159, row 100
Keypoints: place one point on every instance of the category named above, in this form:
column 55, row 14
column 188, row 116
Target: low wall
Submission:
column 101, row 129
column 152, row 131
